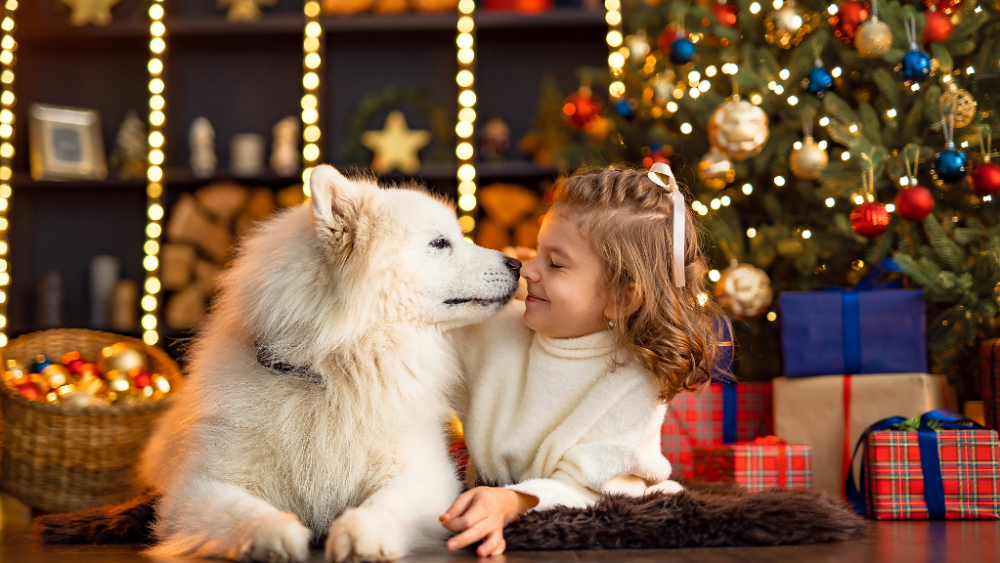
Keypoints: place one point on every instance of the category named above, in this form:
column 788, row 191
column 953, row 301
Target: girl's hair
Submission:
column 676, row 333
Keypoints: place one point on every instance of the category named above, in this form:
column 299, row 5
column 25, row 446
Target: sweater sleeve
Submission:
column 618, row 454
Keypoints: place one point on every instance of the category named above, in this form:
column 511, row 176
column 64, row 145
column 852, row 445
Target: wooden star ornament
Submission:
column 97, row 12
column 396, row 145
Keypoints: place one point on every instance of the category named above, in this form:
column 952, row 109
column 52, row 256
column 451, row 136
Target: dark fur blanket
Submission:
column 702, row 516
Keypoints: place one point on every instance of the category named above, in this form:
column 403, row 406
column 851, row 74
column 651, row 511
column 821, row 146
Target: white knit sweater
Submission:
column 549, row 417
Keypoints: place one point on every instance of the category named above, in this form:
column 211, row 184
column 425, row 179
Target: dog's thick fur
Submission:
column 356, row 289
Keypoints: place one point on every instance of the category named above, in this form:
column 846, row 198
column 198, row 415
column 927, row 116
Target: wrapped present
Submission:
column 765, row 463
column 942, row 466
column 878, row 331
column 989, row 353
column 830, row 412
column 722, row 413
column 870, row 328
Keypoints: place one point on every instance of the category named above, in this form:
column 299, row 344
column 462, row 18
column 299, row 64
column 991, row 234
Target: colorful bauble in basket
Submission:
column 62, row 457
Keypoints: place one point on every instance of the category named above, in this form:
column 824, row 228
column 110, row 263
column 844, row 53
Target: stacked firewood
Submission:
column 201, row 230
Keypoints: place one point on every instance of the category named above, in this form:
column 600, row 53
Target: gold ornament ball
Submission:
column 715, row 169
column 961, row 104
column 808, row 161
column 121, row 357
column 744, row 291
column 873, row 39
column 738, row 128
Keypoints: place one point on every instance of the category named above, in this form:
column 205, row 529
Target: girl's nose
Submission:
column 529, row 270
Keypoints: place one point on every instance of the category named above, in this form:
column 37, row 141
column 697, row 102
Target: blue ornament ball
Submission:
column 818, row 81
column 951, row 165
column 916, row 65
column 626, row 108
column 681, row 51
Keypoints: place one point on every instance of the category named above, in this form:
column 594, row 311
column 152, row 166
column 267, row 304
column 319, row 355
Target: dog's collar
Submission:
column 268, row 359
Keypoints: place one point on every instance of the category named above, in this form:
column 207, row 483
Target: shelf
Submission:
column 288, row 25
column 183, row 177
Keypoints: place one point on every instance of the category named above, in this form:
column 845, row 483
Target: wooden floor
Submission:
column 903, row 542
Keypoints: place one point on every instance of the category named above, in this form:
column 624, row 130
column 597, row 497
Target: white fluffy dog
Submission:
column 318, row 388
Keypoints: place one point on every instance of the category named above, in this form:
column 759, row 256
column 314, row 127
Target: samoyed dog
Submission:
column 319, row 385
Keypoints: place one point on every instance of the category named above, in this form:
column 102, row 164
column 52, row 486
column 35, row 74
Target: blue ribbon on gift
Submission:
column 930, row 462
column 850, row 306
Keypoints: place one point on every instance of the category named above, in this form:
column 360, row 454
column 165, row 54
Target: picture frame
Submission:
column 66, row 144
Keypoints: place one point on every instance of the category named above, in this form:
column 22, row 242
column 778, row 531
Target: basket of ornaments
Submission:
column 78, row 407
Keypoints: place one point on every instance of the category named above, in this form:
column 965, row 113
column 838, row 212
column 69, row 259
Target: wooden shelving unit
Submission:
column 244, row 77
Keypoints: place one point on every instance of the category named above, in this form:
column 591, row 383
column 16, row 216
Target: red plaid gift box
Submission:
column 894, row 476
column 699, row 419
column 989, row 353
column 765, row 463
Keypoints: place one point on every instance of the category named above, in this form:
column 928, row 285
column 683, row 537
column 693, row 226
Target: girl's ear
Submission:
column 631, row 303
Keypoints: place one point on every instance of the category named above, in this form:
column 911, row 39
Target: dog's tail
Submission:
column 128, row 522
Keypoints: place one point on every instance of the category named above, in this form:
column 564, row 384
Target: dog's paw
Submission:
column 364, row 534
column 276, row 537
column 668, row 487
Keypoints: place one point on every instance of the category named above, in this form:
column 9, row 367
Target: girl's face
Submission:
column 566, row 290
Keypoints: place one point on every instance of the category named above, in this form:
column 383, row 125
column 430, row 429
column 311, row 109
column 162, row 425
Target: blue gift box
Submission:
column 853, row 332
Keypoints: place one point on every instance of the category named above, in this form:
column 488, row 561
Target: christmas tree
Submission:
column 817, row 139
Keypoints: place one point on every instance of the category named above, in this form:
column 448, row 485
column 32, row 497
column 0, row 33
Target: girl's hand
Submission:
column 482, row 513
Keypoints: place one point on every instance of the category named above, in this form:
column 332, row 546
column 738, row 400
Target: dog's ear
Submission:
column 333, row 200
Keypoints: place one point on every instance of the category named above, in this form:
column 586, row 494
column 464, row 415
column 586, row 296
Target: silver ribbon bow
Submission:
column 671, row 188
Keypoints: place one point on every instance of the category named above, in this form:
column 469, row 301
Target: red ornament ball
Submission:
column 142, row 379
column 914, row 203
column 581, row 108
column 29, row 390
column 847, row 19
column 985, row 179
column 937, row 27
column 870, row 219
column 655, row 156
column 725, row 13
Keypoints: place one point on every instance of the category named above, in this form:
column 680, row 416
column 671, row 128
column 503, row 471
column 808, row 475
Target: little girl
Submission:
column 566, row 391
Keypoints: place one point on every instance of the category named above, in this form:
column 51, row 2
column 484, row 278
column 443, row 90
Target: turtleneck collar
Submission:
column 588, row 346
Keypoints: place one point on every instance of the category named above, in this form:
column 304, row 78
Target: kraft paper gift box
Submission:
column 853, row 331
column 830, row 412
column 943, row 467
column 989, row 353
column 722, row 413
column 762, row 464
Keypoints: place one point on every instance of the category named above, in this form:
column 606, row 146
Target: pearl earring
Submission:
column 611, row 324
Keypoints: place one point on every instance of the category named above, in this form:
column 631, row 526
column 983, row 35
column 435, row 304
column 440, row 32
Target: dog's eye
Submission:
column 440, row 243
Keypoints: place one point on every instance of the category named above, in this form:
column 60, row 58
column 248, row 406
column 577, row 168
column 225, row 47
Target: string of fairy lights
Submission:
column 154, row 174
column 7, row 47
column 312, row 42
column 616, row 57
column 464, row 150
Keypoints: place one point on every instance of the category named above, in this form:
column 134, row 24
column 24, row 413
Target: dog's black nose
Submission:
column 513, row 263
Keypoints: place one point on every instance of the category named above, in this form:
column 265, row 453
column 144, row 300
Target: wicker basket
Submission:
column 58, row 458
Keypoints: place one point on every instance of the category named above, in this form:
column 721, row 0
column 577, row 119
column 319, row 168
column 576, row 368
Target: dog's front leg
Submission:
column 402, row 516
column 206, row 518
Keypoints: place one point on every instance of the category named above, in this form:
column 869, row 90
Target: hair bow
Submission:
column 671, row 188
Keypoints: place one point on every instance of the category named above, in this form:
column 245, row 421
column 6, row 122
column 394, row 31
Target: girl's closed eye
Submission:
column 554, row 265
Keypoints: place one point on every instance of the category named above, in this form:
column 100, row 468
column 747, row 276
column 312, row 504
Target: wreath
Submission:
column 376, row 103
